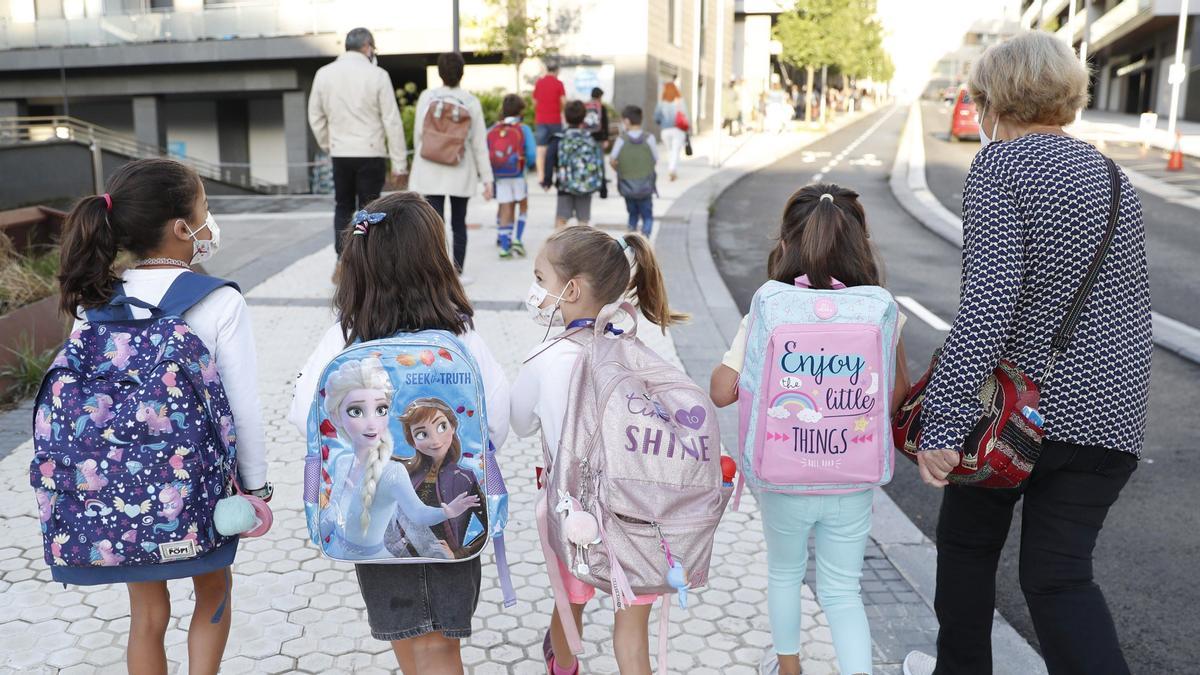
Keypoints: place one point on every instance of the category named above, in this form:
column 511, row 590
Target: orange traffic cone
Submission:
column 1175, row 161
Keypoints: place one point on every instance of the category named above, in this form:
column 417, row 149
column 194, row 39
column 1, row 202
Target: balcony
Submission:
column 228, row 21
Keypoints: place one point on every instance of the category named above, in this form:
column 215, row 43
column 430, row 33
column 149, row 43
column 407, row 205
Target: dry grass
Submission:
column 25, row 278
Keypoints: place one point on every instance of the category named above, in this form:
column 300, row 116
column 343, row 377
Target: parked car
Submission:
column 963, row 121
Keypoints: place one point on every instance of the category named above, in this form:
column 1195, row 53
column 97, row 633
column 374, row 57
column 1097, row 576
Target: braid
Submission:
column 371, row 481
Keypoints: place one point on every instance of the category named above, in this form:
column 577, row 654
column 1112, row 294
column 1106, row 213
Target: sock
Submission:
column 504, row 237
column 520, row 226
column 559, row 670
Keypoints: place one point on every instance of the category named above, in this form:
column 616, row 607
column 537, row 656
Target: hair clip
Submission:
column 825, row 196
column 363, row 220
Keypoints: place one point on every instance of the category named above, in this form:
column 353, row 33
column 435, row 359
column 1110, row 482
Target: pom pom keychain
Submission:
column 579, row 527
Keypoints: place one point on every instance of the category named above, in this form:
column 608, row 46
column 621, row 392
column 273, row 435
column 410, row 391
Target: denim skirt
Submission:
column 407, row 601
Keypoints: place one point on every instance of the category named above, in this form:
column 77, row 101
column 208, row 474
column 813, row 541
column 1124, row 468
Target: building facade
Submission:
column 227, row 82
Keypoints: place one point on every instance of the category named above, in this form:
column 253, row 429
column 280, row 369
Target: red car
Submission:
column 963, row 121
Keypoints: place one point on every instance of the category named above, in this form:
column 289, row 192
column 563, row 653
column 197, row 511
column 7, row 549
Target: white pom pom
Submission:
column 580, row 528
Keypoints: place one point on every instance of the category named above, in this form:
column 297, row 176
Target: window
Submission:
column 675, row 22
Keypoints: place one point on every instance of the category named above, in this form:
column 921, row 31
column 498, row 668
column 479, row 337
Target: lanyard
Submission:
column 587, row 323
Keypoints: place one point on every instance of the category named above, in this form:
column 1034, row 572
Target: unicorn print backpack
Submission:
column 813, row 395
column 399, row 466
column 134, row 445
column 634, row 494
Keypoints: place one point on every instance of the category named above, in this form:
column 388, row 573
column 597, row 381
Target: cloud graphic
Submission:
column 809, row 416
column 778, row 412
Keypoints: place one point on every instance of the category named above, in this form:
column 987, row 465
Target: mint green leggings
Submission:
column 841, row 524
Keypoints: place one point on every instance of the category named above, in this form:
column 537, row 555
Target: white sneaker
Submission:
column 919, row 663
column 769, row 664
column 465, row 280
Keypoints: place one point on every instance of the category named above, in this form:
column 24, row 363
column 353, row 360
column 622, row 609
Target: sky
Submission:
column 919, row 32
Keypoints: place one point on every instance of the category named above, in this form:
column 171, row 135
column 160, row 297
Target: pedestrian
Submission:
column 595, row 122
column 510, row 145
column 157, row 211
column 578, row 272
column 824, row 233
column 575, row 164
column 731, row 107
column 353, row 114
column 1036, row 207
column 549, row 97
column 634, row 156
column 451, row 151
column 395, row 276
column 671, row 117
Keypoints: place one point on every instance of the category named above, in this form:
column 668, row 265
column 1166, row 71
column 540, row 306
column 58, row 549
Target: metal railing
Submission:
column 26, row 130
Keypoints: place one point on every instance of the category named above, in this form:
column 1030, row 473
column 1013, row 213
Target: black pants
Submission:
column 1066, row 501
column 356, row 182
column 458, row 224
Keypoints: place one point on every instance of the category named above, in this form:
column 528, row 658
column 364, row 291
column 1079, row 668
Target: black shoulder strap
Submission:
column 1063, row 337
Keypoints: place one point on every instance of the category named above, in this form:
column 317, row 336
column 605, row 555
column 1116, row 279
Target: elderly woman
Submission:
column 1035, row 209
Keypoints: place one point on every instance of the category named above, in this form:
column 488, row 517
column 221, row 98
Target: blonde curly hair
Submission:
column 367, row 373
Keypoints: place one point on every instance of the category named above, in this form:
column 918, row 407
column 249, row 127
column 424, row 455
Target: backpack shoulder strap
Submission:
column 188, row 290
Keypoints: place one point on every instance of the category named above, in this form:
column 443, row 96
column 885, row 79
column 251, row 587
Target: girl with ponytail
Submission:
column 824, row 236
column 579, row 271
column 395, row 276
column 156, row 210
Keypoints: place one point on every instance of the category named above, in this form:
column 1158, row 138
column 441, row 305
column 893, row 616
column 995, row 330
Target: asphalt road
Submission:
column 1145, row 558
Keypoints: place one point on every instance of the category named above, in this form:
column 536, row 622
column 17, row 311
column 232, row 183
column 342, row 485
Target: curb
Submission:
column 910, row 189
column 715, row 318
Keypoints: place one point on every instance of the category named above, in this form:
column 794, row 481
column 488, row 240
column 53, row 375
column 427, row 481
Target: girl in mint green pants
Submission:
column 841, row 524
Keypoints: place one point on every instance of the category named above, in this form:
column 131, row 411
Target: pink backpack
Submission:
column 632, row 500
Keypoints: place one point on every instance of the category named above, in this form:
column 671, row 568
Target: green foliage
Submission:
column 26, row 277
column 26, row 373
column 843, row 34
column 515, row 35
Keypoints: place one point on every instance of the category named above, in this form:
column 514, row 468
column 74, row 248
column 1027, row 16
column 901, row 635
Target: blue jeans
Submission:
column 641, row 208
column 841, row 524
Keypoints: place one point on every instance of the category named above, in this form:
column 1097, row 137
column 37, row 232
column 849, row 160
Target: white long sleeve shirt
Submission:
column 352, row 109
column 539, row 396
column 222, row 322
column 495, row 384
column 460, row 180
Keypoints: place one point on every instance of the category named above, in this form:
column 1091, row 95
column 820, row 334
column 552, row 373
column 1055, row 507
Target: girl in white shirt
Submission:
column 577, row 272
column 395, row 276
column 157, row 210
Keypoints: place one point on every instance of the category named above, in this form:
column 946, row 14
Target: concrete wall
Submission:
column 115, row 115
column 194, row 123
column 45, row 172
column 268, row 147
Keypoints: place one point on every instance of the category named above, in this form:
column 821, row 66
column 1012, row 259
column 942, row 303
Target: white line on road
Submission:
column 923, row 313
column 853, row 144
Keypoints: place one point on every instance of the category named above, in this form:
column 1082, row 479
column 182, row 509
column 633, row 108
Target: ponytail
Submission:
column 144, row 197
column 824, row 235
column 647, row 285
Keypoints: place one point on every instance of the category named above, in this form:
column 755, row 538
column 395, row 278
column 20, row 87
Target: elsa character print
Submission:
column 431, row 428
column 368, row 490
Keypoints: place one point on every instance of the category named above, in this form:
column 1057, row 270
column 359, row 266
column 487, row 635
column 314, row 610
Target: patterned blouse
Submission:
column 1034, row 212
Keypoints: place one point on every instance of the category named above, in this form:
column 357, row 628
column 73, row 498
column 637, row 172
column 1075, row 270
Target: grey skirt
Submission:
column 407, row 601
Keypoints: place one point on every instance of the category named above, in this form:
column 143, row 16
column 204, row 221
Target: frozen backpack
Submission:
column 593, row 116
column 632, row 499
column 399, row 466
column 580, row 163
column 506, row 148
column 133, row 444
column 813, row 398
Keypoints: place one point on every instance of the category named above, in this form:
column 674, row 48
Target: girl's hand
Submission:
column 460, row 505
column 446, row 549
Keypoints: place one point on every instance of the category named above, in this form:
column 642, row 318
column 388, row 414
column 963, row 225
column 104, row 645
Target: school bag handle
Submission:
column 803, row 282
column 610, row 312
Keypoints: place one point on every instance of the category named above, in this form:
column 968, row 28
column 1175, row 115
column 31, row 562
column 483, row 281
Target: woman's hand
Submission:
column 460, row 505
column 935, row 465
column 446, row 550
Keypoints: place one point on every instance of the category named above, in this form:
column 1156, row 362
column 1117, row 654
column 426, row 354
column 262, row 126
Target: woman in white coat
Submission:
column 437, row 181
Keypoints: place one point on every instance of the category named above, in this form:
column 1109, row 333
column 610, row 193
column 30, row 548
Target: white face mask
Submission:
column 984, row 137
column 204, row 249
column 549, row 316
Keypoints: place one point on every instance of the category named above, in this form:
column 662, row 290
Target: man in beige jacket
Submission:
column 352, row 111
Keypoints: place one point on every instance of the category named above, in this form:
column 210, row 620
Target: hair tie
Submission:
column 363, row 220
column 107, row 202
column 825, row 196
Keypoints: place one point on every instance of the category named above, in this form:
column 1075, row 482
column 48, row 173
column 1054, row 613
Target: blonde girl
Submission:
column 577, row 272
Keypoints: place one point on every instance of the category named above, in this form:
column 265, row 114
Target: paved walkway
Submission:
column 294, row 611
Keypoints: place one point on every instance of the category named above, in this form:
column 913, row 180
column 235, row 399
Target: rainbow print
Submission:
column 797, row 404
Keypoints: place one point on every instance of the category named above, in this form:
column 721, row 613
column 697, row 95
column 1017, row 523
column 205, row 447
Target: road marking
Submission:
column 923, row 313
column 852, row 146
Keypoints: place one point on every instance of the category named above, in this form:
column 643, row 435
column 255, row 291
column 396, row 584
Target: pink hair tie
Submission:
column 107, row 202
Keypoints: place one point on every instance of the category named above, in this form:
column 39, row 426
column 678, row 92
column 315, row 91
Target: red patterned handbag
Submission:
column 1000, row 451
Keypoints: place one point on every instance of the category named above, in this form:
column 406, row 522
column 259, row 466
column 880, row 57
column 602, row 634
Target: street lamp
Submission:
column 1178, row 71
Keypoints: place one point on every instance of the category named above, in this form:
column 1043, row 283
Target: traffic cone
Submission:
column 1175, row 161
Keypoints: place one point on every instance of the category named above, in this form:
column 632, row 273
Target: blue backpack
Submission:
column 399, row 467
column 134, row 445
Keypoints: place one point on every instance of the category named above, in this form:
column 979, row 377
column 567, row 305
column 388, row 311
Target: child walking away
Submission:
column 595, row 120
column 574, row 163
column 798, row 410
column 402, row 403
column 150, row 413
column 632, row 490
column 634, row 156
column 510, row 145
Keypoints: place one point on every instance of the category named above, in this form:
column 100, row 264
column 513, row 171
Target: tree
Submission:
column 804, row 34
column 517, row 37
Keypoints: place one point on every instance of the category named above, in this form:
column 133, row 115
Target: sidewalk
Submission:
column 1107, row 127
column 294, row 611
